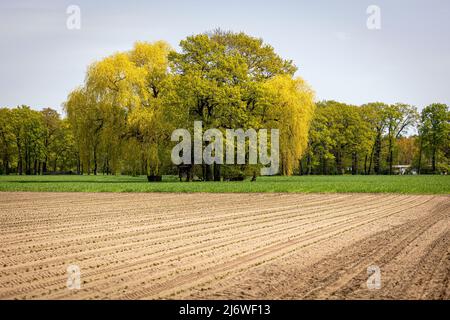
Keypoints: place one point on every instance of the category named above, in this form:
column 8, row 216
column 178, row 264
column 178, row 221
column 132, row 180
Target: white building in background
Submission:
column 401, row 168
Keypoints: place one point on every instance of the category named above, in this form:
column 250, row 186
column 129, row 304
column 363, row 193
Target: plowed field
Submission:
column 223, row 246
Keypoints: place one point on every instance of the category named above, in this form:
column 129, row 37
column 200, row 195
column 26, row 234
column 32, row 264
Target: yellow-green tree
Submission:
column 232, row 80
column 121, row 101
column 289, row 106
column 149, row 121
column 123, row 115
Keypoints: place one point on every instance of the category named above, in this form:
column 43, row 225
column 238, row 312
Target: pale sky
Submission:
column 407, row 60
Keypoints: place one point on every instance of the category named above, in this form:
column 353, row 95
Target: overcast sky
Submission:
column 407, row 60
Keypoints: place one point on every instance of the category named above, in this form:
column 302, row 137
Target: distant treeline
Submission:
column 368, row 139
column 377, row 138
column 121, row 119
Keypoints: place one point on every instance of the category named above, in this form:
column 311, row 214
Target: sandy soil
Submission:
column 223, row 246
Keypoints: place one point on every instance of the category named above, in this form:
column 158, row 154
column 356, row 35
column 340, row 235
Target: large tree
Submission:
column 232, row 80
column 434, row 133
column 121, row 103
column 52, row 127
column 7, row 150
column 399, row 118
column 288, row 106
column 375, row 115
column 340, row 133
column 28, row 130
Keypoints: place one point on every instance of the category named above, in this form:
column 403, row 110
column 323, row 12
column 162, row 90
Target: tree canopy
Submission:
column 131, row 101
column 120, row 120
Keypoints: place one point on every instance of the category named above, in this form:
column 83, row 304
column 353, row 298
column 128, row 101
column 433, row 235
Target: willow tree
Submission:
column 114, row 84
column 288, row 105
column 86, row 123
column 120, row 104
column 149, row 122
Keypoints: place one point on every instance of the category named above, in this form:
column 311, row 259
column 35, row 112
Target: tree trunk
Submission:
column 365, row 164
column 371, row 159
column 217, row 171
column 420, row 156
column 44, row 164
column 35, row 167
column 189, row 173
column 78, row 164
column 354, row 163
column 339, row 163
column 377, row 166
column 27, row 161
column 391, row 155
column 433, row 160
column 324, row 166
column 209, row 172
column 6, row 162
column 20, row 159
column 95, row 161
column 308, row 165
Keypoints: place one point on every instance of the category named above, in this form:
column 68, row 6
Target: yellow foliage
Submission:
column 289, row 106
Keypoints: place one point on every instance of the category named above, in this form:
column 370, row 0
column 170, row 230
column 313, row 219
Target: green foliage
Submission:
column 121, row 119
column 30, row 140
column 132, row 101
column 7, row 142
column 399, row 118
column 435, row 136
column 338, row 132
column 345, row 138
column 231, row 80
column 120, row 109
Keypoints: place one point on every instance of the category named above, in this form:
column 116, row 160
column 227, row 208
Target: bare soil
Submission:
column 224, row 246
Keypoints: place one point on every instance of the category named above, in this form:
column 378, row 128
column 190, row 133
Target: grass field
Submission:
column 328, row 184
